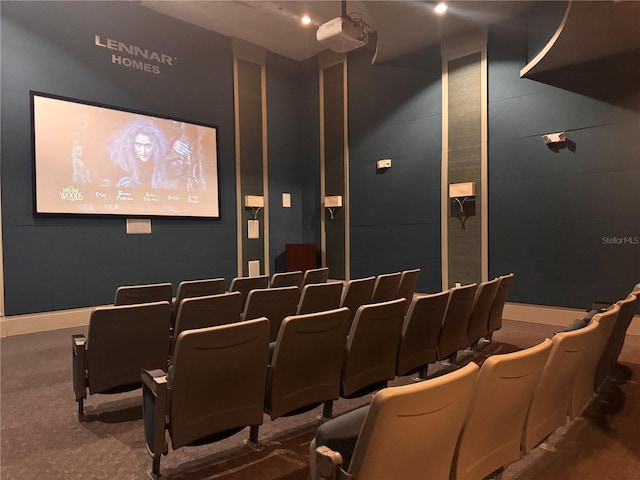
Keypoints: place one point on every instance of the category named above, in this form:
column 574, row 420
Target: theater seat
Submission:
column 315, row 275
column 550, row 406
column 207, row 311
column 196, row 288
column 420, row 332
column 286, row 279
column 121, row 341
column 152, row 292
column 273, row 303
column 356, row 293
column 245, row 284
column 307, row 362
column 453, row 335
column 408, row 283
column 479, row 319
column 584, row 385
column 372, row 348
column 497, row 308
column 492, row 433
column 195, row 402
column 408, row 432
column 317, row 297
column 386, row 287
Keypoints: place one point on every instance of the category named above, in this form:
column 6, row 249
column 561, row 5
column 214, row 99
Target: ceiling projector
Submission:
column 342, row 34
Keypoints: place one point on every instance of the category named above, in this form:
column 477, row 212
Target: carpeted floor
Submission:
column 41, row 437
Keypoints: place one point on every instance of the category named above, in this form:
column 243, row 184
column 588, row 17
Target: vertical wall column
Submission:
column 334, row 164
column 251, row 157
column 464, row 159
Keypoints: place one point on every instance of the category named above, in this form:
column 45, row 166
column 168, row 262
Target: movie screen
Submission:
column 93, row 159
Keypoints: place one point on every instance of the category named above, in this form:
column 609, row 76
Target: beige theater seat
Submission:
column 408, row 432
column 245, row 284
column 273, row 303
column 420, row 332
column 495, row 314
column 550, row 406
column 286, row 279
column 492, row 433
column 196, row 288
column 408, row 283
column 372, row 348
column 306, row 364
column 121, row 340
column 317, row 297
column 195, row 402
column 584, row 385
column 207, row 311
column 479, row 319
column 453, row 335
column 315, row 275
column 357, row 293
column 386, row 287
column 148, row 293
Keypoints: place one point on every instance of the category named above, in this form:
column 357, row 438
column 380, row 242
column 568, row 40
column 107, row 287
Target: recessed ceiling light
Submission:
column 305, row 20
column 441, row 8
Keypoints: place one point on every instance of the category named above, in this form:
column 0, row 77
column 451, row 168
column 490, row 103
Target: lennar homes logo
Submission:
column 620, row 240
column 134, row 56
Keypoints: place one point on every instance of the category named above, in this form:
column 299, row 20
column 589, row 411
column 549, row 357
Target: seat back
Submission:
column 203, row 402
column 199, row 288
column 495, row 314
column 420, row 332
column 123, row 340
column 492, row 432
column 584, row 385
column 307, row 361
column 208, row 311
column 318, row 297
column 273, row 303
column 386, row 287
column 152, row 292
column 411, row 431
column 286, row 279
column 408, row 283
column 482, row 303
column 245, row 284
column 550, row 406
column 315, row 275
column 453, row 335
column 372, row 347
column 357, row 293
column 615, row 343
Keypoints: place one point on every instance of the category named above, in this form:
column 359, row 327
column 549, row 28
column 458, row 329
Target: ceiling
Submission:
column 590, row 29
column 401, row 26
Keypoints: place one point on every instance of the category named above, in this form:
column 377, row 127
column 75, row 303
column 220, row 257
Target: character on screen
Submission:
column 139, row 149
column 182, row 168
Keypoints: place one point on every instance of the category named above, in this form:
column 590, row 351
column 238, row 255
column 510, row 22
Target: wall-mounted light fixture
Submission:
column 331, row 203
column 255, row 203
column 461, row 192
column 554, row 137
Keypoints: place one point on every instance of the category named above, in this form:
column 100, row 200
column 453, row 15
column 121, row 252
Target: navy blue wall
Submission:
column 395, row 111
column 553, row 211
column 66, row 262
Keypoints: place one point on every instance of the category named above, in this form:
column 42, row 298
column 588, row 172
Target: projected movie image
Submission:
column 97, row 160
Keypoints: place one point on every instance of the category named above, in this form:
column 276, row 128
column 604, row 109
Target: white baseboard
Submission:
column 79, row 317
column 553, row 315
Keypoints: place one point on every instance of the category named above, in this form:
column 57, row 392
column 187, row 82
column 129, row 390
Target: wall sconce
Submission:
column 554, row 137
column 255, row 203
column 332, row 202
column 461, row 192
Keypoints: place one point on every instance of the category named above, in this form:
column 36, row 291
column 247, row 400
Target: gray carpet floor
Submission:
column 41, row 437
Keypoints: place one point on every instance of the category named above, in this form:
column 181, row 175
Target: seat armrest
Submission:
column 154, row 406
column 79, row 366
column 329, row 465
